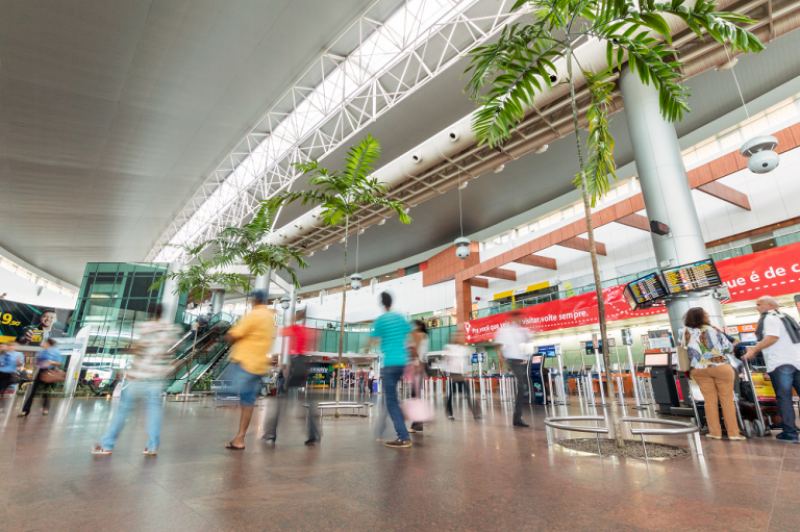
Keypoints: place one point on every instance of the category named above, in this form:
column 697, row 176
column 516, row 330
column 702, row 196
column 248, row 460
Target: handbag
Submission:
column 51, row 376
column 684, row 361
column 417, row 410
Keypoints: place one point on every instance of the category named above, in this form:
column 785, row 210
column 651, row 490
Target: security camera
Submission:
column 355, row 281
column 462, row 247
column 285, row 302
column 763, row 162
column 761, row 157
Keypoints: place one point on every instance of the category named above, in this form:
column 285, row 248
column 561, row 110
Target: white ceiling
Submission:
column 113, row 112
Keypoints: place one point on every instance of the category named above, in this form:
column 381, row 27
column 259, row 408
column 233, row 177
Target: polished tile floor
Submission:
column 464, row 475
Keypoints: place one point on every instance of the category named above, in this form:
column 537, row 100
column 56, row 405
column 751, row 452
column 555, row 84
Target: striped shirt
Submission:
column 392, row 329
column 151, row 342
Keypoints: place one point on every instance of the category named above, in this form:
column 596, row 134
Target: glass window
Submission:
column 522, row 231
column 107, row 267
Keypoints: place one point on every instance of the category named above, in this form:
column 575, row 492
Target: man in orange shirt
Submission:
column 252, row 340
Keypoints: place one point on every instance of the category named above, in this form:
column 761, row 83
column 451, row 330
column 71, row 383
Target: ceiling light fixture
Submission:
column 542, row 149
column 499, row 169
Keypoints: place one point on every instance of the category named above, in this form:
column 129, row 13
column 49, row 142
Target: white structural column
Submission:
column 217, row 301
column 262, row 282
column 666, row 191
column 169, row 299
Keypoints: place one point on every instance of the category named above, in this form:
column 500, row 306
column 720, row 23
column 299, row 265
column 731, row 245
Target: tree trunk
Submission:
column 601, row 308
column 341, row 323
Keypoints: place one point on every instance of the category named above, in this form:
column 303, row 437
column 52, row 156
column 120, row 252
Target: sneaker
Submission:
column 399, row 444
column 148, row 452
column 412, row 431
column 99, row 450
column 785, row 437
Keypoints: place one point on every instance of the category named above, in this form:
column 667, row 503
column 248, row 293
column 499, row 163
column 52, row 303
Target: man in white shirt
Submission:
column 512, row 337
column 782, row 356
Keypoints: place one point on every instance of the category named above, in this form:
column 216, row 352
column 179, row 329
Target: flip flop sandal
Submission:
column 232, row 447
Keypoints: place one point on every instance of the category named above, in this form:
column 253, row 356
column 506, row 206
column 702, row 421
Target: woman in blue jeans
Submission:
column 151, row 361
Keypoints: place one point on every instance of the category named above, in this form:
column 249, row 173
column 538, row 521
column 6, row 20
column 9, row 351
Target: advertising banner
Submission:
column 32, row 324
column 561, row 314
column 774, row 272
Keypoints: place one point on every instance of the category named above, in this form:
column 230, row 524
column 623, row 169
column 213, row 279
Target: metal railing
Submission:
column 688, row 429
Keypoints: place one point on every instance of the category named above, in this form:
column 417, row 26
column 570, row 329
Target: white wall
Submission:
column 362, row 305
column 18, row 289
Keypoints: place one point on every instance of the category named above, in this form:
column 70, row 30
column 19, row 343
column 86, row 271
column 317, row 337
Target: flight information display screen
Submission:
column 690, row 277
column 648, row 288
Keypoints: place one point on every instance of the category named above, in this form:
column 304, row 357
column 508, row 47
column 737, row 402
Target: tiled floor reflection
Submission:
column 460, row 475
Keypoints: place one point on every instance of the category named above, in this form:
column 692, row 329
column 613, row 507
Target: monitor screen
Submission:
column 656, row 359
column 695, row 276
column 548, row 351
column 537, row 359
column 749, row 337
column 641, row 291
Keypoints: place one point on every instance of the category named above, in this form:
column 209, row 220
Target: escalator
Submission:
column 195, row 359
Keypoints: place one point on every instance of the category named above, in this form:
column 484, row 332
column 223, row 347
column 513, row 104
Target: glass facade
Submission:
column 113, row 297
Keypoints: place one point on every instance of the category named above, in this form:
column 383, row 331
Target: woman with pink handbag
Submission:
column 415, row 409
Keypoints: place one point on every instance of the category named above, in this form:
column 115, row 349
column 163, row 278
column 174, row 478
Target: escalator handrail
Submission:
column 224, row 351
column 199, row 346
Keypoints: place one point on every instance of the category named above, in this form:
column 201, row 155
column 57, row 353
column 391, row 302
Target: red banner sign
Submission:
column 773, row 272
column 561, row 314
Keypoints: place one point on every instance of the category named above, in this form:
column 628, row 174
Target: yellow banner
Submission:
column 531, row 288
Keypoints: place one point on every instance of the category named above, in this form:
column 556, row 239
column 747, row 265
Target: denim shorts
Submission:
column 247, row 384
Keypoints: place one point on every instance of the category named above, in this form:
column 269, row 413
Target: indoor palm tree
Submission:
column 341, row 194
column 520, row 64
column 248, row 244
column 197, row 281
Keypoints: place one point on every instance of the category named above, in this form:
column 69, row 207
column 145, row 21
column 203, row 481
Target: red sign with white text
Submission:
column 773, row 272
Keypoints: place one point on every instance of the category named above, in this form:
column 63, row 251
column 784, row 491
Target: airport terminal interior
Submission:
column 392, row 264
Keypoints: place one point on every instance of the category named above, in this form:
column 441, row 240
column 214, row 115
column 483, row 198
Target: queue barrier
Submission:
column 680, row 428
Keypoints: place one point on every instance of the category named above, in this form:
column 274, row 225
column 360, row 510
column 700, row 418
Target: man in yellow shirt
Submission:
column 252, row 340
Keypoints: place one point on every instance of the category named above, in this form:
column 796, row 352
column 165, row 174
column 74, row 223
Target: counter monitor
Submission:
column 645, row 290
column 690, row 277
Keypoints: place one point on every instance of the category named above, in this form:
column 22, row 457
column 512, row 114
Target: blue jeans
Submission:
column 247, row 384
column 783, row 379
column 148, row 392
column 391, row 376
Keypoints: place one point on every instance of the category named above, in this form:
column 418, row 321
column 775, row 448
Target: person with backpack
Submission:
column 779, row 341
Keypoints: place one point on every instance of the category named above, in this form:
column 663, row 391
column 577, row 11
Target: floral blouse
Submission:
column 707, row 346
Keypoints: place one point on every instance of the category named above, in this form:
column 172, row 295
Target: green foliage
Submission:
column 600, row 164
column 198, row 278
column 340, row 194
column 248, row 244
column 505, row 76
column 203, row 384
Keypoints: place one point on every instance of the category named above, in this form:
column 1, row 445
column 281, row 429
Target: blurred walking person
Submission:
column 419, row 364
column 391, row 330
column 512, row 337
column 252, row 340
column 11, row 361
column 151, row 362
column 300, row 345
column 371, row 379
column 48, row 359
column 458, row 364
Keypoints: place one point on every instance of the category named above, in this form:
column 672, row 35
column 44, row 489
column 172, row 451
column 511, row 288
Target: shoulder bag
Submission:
column 684, row 361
